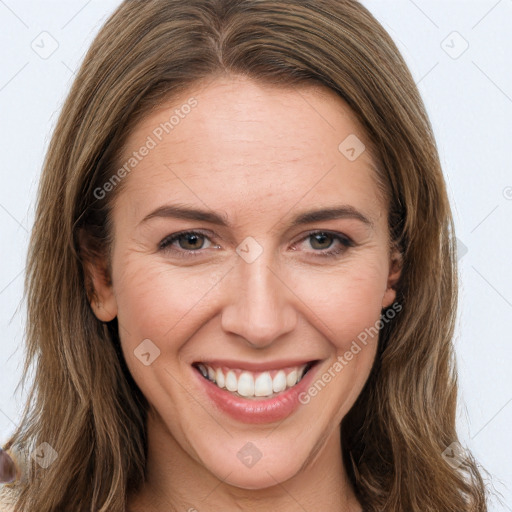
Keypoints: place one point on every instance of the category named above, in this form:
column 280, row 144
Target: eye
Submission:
column 187, row 242
column 326, row 243
column 190, row 243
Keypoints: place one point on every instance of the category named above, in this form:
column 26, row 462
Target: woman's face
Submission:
column 285, row 265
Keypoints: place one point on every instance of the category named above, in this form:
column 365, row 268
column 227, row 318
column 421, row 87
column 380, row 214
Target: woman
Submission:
column 241, row 280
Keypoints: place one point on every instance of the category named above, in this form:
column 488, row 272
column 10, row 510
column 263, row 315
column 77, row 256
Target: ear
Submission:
column 98, row 282
column 395, row 270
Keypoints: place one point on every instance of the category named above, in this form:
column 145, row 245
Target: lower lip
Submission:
column 258, row 410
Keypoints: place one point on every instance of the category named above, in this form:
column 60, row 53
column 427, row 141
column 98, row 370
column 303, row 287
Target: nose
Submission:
column 259, row 309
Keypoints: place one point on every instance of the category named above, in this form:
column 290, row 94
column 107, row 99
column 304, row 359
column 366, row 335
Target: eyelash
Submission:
column 342, row 239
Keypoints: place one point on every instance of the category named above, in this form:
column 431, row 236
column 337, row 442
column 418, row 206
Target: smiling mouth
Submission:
column 248, row 384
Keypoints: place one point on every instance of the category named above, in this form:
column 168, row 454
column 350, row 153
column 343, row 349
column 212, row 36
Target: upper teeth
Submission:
column 250, row 384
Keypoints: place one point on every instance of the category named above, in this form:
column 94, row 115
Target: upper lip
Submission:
column 255, row 366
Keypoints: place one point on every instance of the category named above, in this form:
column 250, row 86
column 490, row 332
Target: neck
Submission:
column 175, row 481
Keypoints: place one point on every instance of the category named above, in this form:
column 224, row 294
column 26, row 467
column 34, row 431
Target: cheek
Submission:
column 347, row 301
column 167, row 304
column 156, row 301
column 348, row 305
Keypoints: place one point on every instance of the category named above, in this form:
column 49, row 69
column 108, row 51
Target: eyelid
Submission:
column 165, row 244
column 334, row 234
column 344, row 240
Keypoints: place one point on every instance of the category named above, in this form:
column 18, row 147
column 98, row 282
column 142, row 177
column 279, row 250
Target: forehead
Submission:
column 235, row 143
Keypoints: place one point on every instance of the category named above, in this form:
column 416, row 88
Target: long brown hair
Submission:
column 83, row 401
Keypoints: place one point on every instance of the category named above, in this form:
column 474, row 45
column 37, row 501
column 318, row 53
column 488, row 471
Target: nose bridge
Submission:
column 260, row 309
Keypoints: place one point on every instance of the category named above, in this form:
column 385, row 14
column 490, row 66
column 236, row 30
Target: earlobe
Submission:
column 100, row 292
column 103, row 312
column 97, row 281
column 395, row 270
column 99, row 287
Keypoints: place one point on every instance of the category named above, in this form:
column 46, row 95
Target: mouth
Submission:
column 254, row 385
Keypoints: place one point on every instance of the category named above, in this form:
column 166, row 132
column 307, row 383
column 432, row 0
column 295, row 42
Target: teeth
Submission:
column 291, row 378
column 219, row 378
column 263, row 385
column 248, row 384
column 303, row 370
column 203, row 370
column 231, row 381
column 279, row 382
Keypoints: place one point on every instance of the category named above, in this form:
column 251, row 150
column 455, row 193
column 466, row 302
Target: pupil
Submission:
column 321, row 238
column 191, row 240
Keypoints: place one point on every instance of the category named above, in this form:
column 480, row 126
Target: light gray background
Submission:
column 468, row 94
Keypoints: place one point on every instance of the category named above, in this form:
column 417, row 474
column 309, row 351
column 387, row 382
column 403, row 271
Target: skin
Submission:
column 258, row 155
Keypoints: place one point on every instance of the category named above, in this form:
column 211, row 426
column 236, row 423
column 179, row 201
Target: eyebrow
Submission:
column 307, row 217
